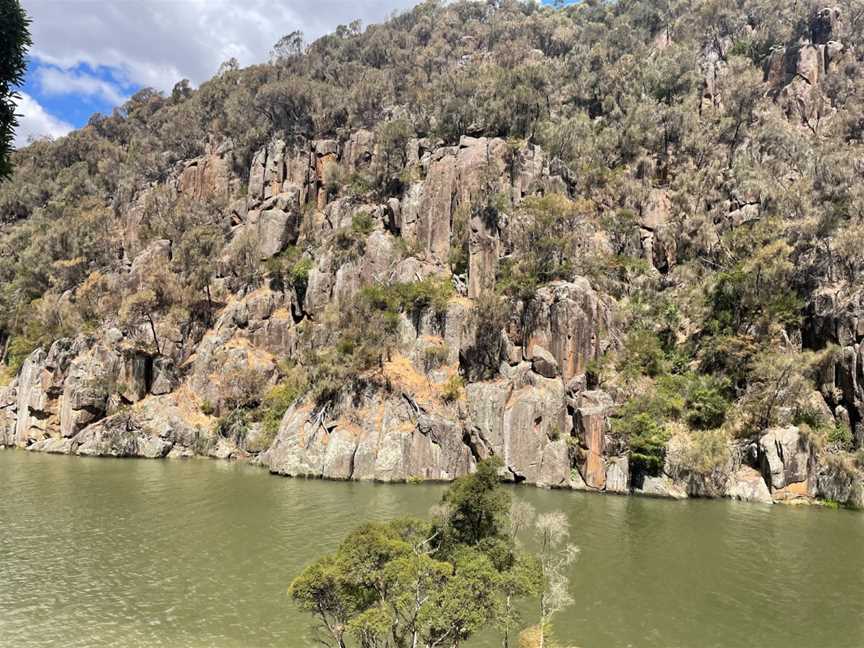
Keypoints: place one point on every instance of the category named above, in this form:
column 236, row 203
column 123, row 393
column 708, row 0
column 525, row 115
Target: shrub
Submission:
column 234, row 426
column 642, row 355
column 362, row 224
column 647, row 440
column 432, row 292
column 298, row 275
column 278, row 399
column 434, row 356
column 706, row 403
column 414, row 297
column 453, row 389
column 841, row 436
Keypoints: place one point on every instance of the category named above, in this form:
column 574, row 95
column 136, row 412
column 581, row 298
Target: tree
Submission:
column 556, row 554
column 156, row 292
column 14, row 41
column 425, row 584
column 194, row 259
column 779, row 382
column 478, row 506
column 288, row 47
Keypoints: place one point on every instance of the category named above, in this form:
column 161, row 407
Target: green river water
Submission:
column 100, row 552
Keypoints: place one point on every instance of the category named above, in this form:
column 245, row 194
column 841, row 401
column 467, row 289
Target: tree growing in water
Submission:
column 429, row 583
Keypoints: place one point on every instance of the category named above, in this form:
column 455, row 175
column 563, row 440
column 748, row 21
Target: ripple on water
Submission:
column 103, row 553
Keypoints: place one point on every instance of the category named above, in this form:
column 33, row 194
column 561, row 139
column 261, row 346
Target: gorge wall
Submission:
column 325, row 237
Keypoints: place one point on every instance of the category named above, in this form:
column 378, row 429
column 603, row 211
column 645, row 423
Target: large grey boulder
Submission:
column 787, row 460
column 543, row 362
column 617, row 475
column 748, row 485
column 279, row 226
column 839, row 480
column 662, row 487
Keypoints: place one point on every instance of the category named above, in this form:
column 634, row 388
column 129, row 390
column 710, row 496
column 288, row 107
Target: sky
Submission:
column 89, row 56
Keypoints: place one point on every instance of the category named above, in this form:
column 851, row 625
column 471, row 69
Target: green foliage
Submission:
column 290, row 268
column 755, row 293
column 646, row 436
column 362, row 224
column 278, row 399
column 645, row 420
column 778, row 381
column 415, row 297
column 410, row 582
column 544, row 237
column 706, row 402
column 478, row 506
column 234, row 426
column 392, row 141
column 841, row 436
column 453, row 389
column 642, row 355
column 14, row 41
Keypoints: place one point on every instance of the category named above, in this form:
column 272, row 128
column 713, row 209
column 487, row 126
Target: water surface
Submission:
column 100, row 552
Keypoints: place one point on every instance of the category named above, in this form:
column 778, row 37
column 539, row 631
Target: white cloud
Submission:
column 34, row 122
column 158, row 42
column 54, row 81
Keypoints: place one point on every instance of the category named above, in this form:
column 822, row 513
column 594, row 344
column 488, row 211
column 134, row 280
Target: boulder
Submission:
column 617, row 475
column 748, row 485
column 276, row 230
column 786, row 459
column 591, row 425
column 662, row 486
column 543, row 362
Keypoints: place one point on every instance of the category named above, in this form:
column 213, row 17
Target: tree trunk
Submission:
column 153, row 330
column 209, row 305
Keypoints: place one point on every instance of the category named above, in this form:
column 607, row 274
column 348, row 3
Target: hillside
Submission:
column 618, row 244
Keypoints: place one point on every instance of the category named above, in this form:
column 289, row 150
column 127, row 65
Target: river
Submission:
column 131, row 553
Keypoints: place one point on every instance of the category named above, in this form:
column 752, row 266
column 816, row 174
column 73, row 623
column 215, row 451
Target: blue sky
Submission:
column 74, row 94
column 88, row 56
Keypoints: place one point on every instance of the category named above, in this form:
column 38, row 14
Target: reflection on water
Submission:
column 97, row 552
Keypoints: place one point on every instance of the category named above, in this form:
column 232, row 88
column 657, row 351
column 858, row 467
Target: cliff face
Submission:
column 102, row 394
column 395, row 302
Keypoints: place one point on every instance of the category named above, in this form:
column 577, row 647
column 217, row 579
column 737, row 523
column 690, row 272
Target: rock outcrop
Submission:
column 112, row 393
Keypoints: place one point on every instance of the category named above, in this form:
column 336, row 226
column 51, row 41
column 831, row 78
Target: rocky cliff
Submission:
column 397, row 302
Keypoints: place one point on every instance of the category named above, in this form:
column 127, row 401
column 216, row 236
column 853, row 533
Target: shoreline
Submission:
column 251, row 462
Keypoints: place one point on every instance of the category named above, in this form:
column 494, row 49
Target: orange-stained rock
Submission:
column 591, row 425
